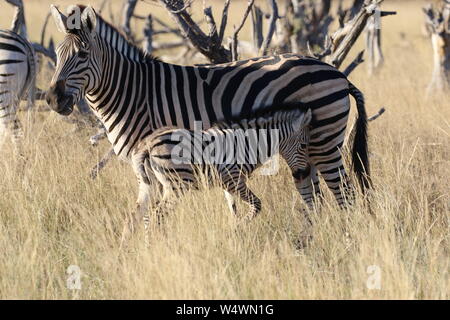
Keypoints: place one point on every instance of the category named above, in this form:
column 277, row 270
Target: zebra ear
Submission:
column 308, row 117
column 60, row 19
column 89, row 19
column 303, row 120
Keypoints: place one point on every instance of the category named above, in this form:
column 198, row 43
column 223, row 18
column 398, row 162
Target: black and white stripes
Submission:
column 134, row 94
column 17, row 71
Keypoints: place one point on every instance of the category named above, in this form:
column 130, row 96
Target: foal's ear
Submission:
column 302, row 121
column 89, row 19
column 308, row 117
column 60, row 19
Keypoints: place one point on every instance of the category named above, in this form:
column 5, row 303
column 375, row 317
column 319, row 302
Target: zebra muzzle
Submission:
column 61, row 103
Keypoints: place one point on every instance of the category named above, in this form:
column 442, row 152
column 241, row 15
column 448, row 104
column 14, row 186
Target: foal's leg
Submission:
column 236, row 185
column 139, row 214
column 147, row 183
column 230, row 201
column 17, row 137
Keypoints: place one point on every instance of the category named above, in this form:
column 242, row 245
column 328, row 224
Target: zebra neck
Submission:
column 122, row 101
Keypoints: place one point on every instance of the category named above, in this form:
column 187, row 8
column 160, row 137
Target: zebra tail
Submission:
column 360, row 152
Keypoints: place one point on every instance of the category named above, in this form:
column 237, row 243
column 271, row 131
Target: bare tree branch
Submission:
column 223, row 23
column 272, row 25
column 344, row 38
column 257, row 24
column 44, row 28
column 214, row 51
column 148, row 35
column 46, row 52
column 18, row 24
column 128, row 10
column 438, row 27
column 234, row 43
column 375, row 116
column 356, row 62
column 213, row 35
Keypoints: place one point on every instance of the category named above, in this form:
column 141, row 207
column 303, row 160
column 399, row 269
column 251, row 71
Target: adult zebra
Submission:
column 17, row 71
column 133, row 94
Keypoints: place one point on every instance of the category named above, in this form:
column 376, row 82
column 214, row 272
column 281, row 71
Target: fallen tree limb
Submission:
column 375, row 116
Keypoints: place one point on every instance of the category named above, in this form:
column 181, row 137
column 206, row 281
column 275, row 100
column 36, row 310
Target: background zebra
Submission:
column 134, row 94
column 17, row 72
column 228, row 152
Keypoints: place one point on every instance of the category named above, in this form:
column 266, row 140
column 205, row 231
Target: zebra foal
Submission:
column 177, row 156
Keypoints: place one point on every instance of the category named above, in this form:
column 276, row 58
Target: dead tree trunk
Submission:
column 438, row 23
column 148, row 35
column 343, row 39
column 373, row 43
column 18, row 24
column 128, row 9
column 257, row 26
column 206, row 44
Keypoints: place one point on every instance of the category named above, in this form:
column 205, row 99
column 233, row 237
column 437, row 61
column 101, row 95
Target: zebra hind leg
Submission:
column 171, row 195
column 17, row 138
column 336, row 178
column 139, row 214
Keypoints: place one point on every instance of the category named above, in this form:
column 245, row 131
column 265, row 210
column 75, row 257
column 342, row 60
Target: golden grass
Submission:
column 52, row 215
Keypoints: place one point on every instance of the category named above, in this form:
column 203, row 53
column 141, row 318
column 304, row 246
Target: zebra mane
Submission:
column 273, row 115
column 117, row 39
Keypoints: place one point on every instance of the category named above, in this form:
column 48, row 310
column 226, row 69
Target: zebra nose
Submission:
column 60, row 86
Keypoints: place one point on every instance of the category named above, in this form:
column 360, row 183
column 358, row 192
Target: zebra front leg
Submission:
column 9, row 124
column 241, row 190
column 230, row 201
column 17, row 138
column 140, row 214
column 3, row 130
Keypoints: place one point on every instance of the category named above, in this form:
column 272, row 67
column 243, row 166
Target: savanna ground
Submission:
column 53, row 215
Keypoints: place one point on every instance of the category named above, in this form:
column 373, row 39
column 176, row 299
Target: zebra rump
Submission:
column 17, row 72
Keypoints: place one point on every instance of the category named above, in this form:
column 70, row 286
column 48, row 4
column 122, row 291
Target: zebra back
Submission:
column 270, row 118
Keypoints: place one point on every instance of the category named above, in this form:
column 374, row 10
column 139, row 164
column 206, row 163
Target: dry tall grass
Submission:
column 52, row 215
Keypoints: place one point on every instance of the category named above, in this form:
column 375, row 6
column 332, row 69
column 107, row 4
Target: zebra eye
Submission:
column 83, row 54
